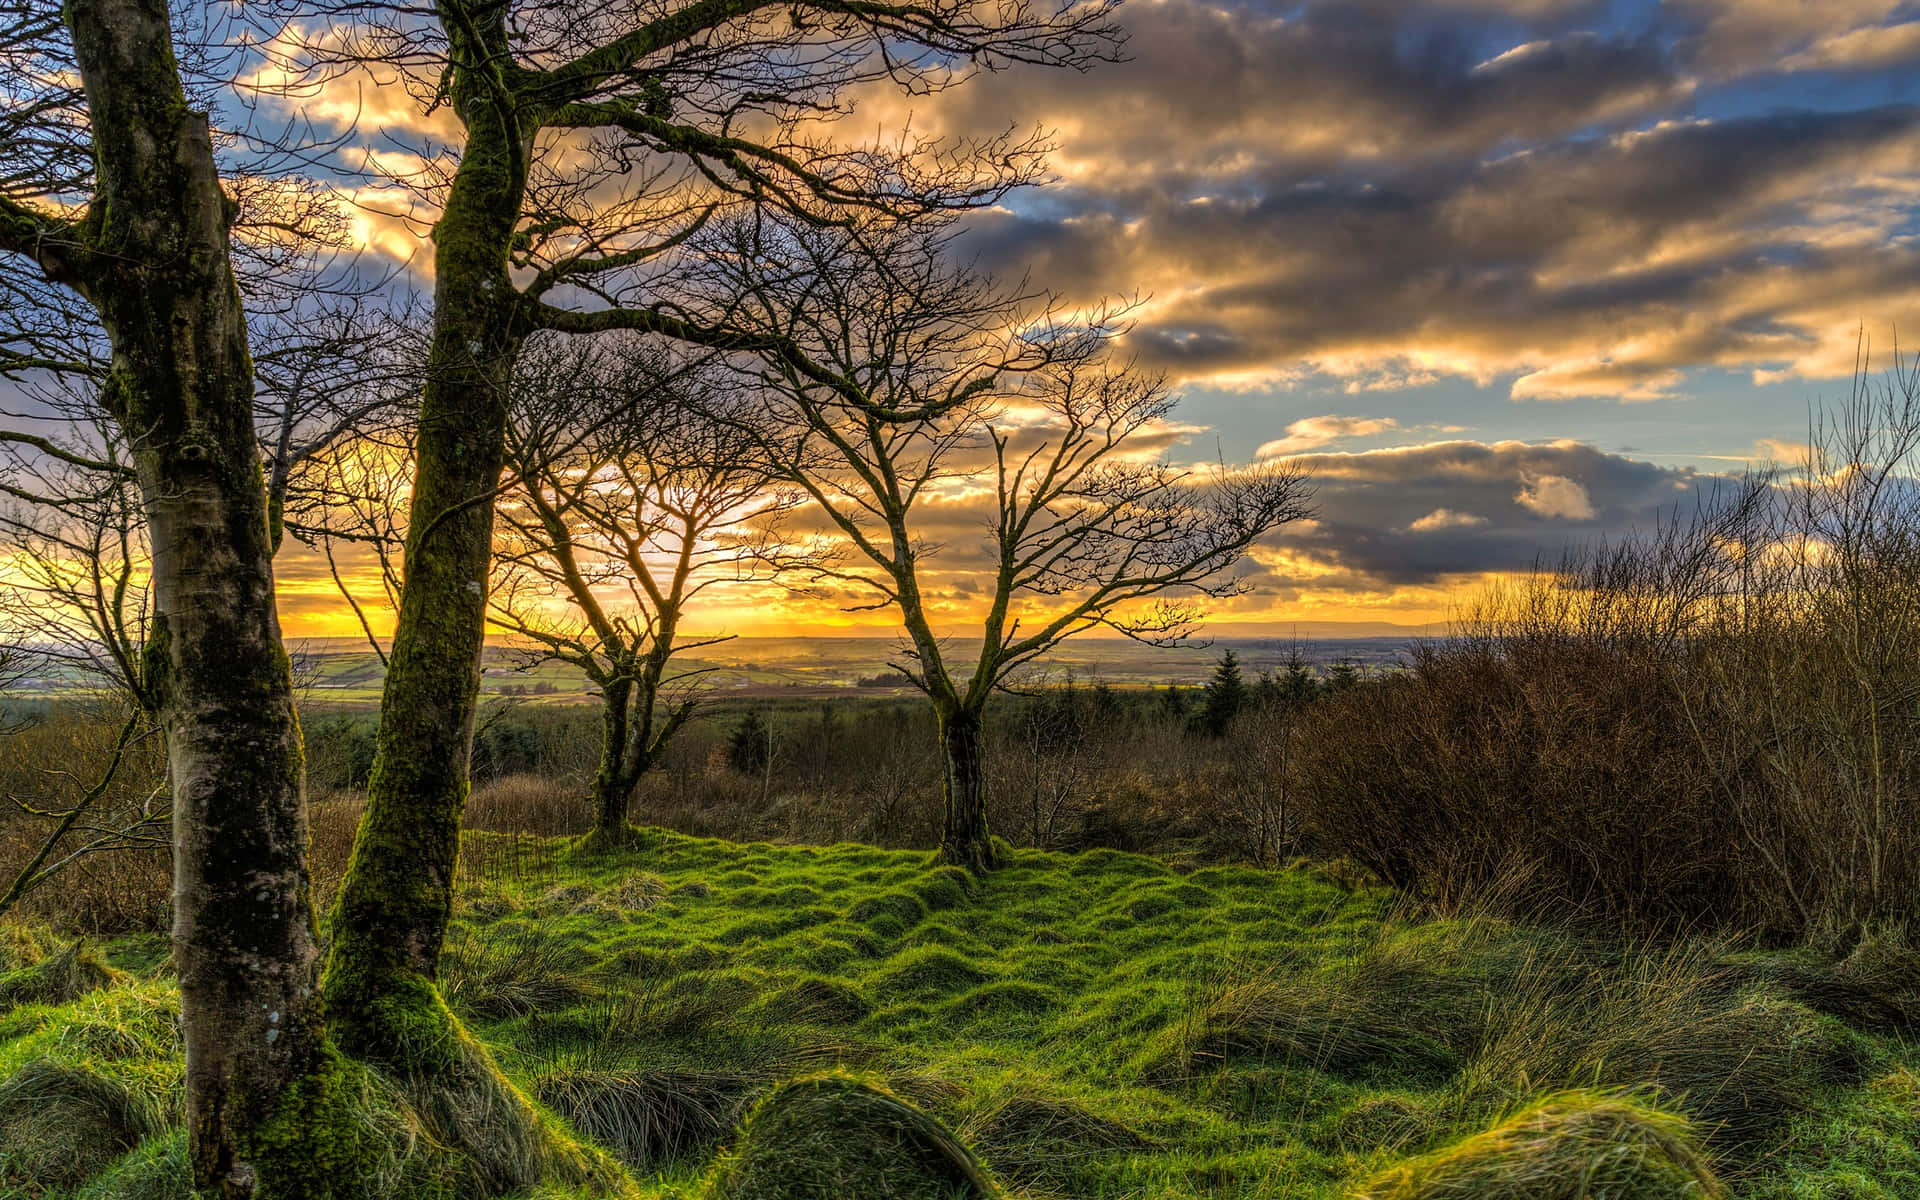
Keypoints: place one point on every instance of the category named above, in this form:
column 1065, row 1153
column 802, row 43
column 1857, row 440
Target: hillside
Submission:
column 1093, row 1026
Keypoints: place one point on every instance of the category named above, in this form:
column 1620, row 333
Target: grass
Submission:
column 718, row 1015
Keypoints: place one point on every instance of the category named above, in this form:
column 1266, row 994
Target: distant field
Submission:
column 344, row 671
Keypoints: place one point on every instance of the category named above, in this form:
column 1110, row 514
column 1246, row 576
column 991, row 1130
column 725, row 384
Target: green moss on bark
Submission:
column 316, row 1144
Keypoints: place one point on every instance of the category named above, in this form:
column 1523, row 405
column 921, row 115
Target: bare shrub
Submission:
column 109, row 868
column 1715, row 724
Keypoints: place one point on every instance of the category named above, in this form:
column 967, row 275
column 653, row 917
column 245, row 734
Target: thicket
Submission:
column 1714, row 726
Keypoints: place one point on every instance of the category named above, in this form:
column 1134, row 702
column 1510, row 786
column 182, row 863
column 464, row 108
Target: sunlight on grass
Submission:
column 1100, row 1025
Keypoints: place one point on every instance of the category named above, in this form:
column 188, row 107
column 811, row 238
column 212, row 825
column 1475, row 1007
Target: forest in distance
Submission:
column 1375, row 551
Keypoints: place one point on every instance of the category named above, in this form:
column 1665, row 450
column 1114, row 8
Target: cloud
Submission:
column 1556, row 497
column 1512, row 194
column 1604, row 267
column 1869, row 47
column 1418, row 516
column 1311, row 433
column 1445, row 518
column 1734, row 37
column 1781, row 451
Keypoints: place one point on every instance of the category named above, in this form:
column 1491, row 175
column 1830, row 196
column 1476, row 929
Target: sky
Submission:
column 1501, row 275
column 1505, row 274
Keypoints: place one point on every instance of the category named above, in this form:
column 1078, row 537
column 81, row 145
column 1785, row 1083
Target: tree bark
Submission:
column 964, row 841
column 390, row 921
column 155, row 262
column 395, row 900
column 613, row 783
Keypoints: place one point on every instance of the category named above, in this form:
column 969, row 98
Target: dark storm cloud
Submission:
column 1416, row 515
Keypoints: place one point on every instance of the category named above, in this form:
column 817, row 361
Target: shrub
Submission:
column 1710, row 725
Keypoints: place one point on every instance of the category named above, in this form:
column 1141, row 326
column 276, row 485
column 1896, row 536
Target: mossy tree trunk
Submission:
column 964, row 840
column 391, row 917
column 151, row 253
column 634, row 731
column 612, row 784
column 389, row 922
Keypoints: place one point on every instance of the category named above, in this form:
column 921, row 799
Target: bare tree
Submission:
column 76, row 603
column 128, row 215
column 1087, row 526
column 334, row 375
column 631, row 503
column 594, row 139
column 77, row 588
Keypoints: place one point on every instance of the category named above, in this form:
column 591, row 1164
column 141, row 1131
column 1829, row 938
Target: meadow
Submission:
column 1091, row 1025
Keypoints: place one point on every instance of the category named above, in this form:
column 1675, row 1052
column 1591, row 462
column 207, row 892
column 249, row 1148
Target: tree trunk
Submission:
column 158, row 270
column 396, row 898
column 390, row 920
column 963, row 839
column 613, row 782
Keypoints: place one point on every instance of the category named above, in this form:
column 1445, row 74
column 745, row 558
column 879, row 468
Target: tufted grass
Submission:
column 1099, row 1026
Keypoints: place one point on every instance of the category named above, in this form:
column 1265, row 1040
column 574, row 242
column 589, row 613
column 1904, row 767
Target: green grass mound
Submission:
column 1038, row 1140
column 648, row 1117
column 157, row 1169
column 816, row 1001
column 1270, row 1034
column 1876, row 985
column 930, row 972
column 836, row 1138
column 1315, row 1023
column 889, row 914
column 511, row 976
column 1391, row 1123
column 1740, row 1062
column 942, row 888
column 1569, row 1147
column 40, row 976
column 61, row 1124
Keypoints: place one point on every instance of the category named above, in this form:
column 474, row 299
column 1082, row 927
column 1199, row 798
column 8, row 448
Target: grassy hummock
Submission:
column 1567, row 1147
column 830, row 1137
column 1097, row 1026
